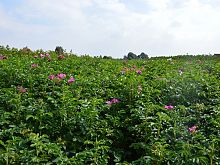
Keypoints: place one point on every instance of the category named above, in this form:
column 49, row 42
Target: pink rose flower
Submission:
column 192, row 129
column 61, row 76
column 3, row 57
column 61, row 57
column 139, row 72
column 42, row 55
column 51, row 77
column 112, row 101
column 34, row 65
column 109, row 102
column 71, row 80
column 168, row 107
column 21, row 89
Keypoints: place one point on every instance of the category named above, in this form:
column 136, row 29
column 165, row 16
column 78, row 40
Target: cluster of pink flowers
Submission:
column 61, row 76
column 192, row 129
column 168, row 107
column 112, row 101
column 3, row 57
column 58, row 76
column 42, row 55
column 134, row 68
column 21, row 89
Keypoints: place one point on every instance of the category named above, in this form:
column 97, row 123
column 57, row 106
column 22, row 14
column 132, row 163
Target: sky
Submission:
column 113, row 27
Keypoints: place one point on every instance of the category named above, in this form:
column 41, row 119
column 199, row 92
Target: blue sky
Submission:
column 10, row 4
column 112, row 27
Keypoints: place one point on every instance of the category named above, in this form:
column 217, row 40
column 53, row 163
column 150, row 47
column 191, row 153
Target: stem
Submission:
column 174, row 129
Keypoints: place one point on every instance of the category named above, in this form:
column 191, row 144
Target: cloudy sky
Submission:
column 113, row 27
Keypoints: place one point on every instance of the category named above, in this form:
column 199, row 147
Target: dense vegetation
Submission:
column 60, row 109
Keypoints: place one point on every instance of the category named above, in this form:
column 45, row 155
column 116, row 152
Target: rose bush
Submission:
column 84, row 110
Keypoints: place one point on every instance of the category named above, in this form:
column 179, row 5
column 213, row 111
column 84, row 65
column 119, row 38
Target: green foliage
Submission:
column 113, row 112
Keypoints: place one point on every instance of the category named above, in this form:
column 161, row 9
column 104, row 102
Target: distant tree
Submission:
column 107, row 57
column 125, row 58
column 143, row 56
column 7, row 47
column 59, row 50
column 132, row 56
column 216, row 55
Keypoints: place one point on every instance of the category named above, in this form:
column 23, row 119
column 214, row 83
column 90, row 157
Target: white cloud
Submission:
column 111, row 27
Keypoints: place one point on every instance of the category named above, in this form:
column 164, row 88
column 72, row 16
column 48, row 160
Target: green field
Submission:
column 74, row 110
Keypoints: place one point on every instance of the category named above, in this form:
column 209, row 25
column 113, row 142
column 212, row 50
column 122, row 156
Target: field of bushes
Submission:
column 70, row 110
